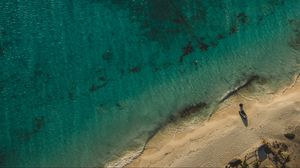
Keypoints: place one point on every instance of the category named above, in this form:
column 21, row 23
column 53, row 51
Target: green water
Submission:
column 83, row 80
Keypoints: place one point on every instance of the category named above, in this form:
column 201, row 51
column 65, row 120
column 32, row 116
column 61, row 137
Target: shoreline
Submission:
column 181, row 117
column 163, row 149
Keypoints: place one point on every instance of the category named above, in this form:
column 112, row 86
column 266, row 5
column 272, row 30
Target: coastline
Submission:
column 207, row 143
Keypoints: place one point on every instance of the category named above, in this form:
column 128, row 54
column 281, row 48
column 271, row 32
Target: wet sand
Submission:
column 214, row 142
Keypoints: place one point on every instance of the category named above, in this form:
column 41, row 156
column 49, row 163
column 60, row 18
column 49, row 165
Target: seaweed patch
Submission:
column 96, row 87
column 220, row 36
column 107, row 55
column 122, row 71
column 119, row 105
column 102, row 78
column 1, row 51
column 38, row 123
column 4, row 45
column 2, row 85
column 40, row 74
column 233, row 29
column 135, row 69
column 2, row 159
column 294, row 41
column 260, row 19
column 163, row 20
column 188, row 49
column 242, row 18
column 213, row 44
column 101, row 108
column 179, row 20
column 71, row 95
column 192, row 109
column 276, row 2
column 72, row 91
column 203, row 46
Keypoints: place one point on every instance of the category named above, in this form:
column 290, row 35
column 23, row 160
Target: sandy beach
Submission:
column 224, row 136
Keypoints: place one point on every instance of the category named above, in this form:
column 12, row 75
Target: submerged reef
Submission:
column 107, row 55
column 192, row 109
column 242, row 18
column 135, row 69
column 295, row 38
column 188, row 49
column 38, row 124
column 2, row 159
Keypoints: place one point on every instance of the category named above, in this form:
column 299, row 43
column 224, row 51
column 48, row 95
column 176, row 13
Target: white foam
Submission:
column 124, row 160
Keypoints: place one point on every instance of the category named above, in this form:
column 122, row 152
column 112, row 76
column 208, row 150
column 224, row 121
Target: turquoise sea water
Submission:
column 83, row 80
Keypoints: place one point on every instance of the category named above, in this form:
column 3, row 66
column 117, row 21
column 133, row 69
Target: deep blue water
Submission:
column 81, row 81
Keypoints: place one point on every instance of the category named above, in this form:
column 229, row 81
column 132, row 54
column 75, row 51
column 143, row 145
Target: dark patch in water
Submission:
column 188, row 49
column 220, row 36
column 107, row 55
column 260, row 19
column 100, row 72
column 1, row 51
column 166, row 65
column 195, row 62
column 39, row 74
column 96, row 87
column 276, row 2
column 72, row 91
column 2, row 159
column 162, row 20
column 192, row 109
column 135, row 69
column 242, row 18
column 2, row 85
column 38, row 123
column 71, row 95
column 119, row 105
column 271, row 6
column 122, row 72
column 233, row 29
column 201, row 38
column 203, row 46
column 4, row 45
column 156, row 69
column 213, row 44
column 294, row 41
column 291, row 21
column 103, row 78
column 93, row 88
column 179, row 20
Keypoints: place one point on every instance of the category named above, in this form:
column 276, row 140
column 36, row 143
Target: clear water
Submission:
column 83, row 80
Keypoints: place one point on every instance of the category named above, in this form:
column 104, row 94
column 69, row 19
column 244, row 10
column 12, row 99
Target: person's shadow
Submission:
column 243, row 115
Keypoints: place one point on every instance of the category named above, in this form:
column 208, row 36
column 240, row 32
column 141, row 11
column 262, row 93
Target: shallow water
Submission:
column 82, row 81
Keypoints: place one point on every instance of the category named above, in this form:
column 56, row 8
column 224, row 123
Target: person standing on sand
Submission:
column 242, row 112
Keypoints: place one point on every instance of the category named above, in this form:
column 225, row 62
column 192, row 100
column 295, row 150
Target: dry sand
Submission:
column 224, row 136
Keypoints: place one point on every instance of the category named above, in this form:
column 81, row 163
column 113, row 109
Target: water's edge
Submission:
column 129, row 156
